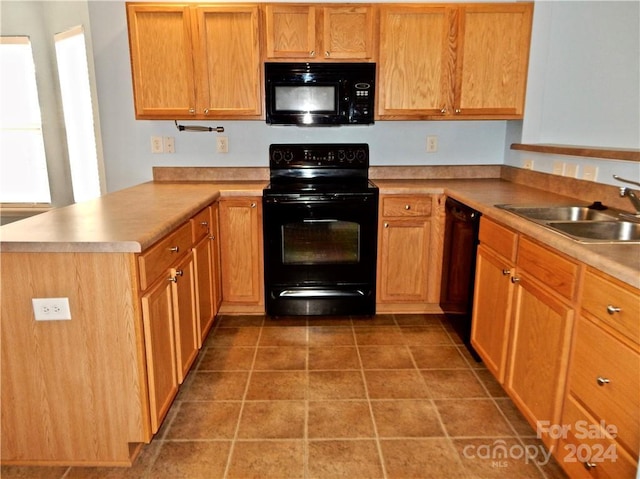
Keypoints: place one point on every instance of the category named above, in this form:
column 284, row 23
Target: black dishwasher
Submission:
column 458, row 267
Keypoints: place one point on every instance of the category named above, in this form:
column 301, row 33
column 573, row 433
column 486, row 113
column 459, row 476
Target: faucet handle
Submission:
column 631, row 182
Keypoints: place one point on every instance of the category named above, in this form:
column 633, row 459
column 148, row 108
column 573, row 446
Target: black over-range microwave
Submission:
column 320, row 94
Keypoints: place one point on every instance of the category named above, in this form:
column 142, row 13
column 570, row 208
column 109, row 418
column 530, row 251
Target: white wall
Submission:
column 584, row 83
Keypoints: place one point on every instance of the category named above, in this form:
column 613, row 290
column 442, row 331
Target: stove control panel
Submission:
column 321, row 155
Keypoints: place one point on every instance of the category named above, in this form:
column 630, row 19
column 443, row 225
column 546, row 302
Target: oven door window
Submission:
column 321, row 242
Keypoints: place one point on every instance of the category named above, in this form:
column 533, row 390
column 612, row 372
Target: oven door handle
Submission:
column 316, row 293
column 320, row 221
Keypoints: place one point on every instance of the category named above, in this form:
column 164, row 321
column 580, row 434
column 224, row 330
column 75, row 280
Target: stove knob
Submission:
column 351, row 156
column 276, row 156
column 288, row 156
column 341, row 156
column 361, row 156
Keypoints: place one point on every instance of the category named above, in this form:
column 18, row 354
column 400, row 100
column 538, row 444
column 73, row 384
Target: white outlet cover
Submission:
column 51, row 309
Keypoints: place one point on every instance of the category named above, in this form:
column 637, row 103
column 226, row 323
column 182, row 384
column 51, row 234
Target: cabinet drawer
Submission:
column 402, row 206
column 585, row 441
column 161, row 255
column 557, row 272
column 598, row 355
column 500, row 239
column 200, row 226
column 602, row 296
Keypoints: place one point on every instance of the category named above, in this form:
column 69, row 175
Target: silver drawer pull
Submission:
column 589, row 465
column 179, row 272
column 611, row 309
column 174, row 249
column 515, row 280
column 506, row 272
column 407, row 207
column 386, row 225
column 172, row 279
column 204, row 223
column 602, row 381
column 253, row 205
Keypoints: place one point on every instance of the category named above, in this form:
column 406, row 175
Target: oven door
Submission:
column 319, row 250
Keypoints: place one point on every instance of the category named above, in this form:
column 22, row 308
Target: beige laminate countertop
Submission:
column 133, row 219
column 617, row 259
column 128, row 220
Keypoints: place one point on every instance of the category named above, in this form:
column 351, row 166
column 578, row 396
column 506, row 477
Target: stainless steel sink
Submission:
column 581, row 223
column 599, row 231
column 561, row 213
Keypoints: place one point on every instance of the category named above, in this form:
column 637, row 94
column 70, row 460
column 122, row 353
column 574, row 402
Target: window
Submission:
column 23, row 166
column 73, row 73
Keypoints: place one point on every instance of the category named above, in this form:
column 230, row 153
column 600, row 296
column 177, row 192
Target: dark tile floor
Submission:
column 394, row 396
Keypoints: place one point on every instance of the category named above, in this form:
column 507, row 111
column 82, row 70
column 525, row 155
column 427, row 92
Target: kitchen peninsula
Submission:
column 84, row 391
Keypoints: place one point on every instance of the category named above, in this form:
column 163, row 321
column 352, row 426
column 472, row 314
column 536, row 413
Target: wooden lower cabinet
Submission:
column 160, row 349
column 409, row 253
column 184, row 314
column 523, row 318
column 241, row 256
column 492, row 310
column 539, row 348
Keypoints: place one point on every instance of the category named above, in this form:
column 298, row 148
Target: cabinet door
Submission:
column 404, row 260
column 290, row 31
column 492, row 63
column 216, row 275
column 241, row 250
column 416, row 61
column 204, row 287
column 184, row 315
column 228, row 62
column 157, row 315
column 540, row 341
column 161, row 61
column 492, row 310
column 348, row 32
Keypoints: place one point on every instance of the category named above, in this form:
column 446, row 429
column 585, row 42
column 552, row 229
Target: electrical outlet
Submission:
column 156, row 144
column 527, row 164
column 222, row 144
column 590, row 173
column 46, row 309
column 571, row 170
column 558, row 168
column 169, row 144
column 432, row 144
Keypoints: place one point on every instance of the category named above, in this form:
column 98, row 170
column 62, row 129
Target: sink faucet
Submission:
column 631, row 194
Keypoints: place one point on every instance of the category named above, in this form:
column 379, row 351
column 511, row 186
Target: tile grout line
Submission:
column 368, row 397
column 242, row 404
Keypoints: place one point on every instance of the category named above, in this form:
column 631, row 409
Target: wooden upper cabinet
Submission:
column 228, row 61
column 416, row 65
column 465, row 61
column 493, row 59
column 161, row 60
column 316, row 33
column 195, row 61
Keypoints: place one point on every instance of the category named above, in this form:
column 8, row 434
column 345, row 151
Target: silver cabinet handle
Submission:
column 179, row 272
column 204, row 223
column 386, row 225
column 458, row 111
column 172, row 279
column 206, row 111
column 192, row 111
column 174, row 249
column 602, row 381
column 312, row 53
column 253, row 205
column 212, row 237
column 443, row 110
column 589, row 465
column 407, row 207
column 611, row 309
column 515, row 280
column 327, row 54
column 506, row 272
